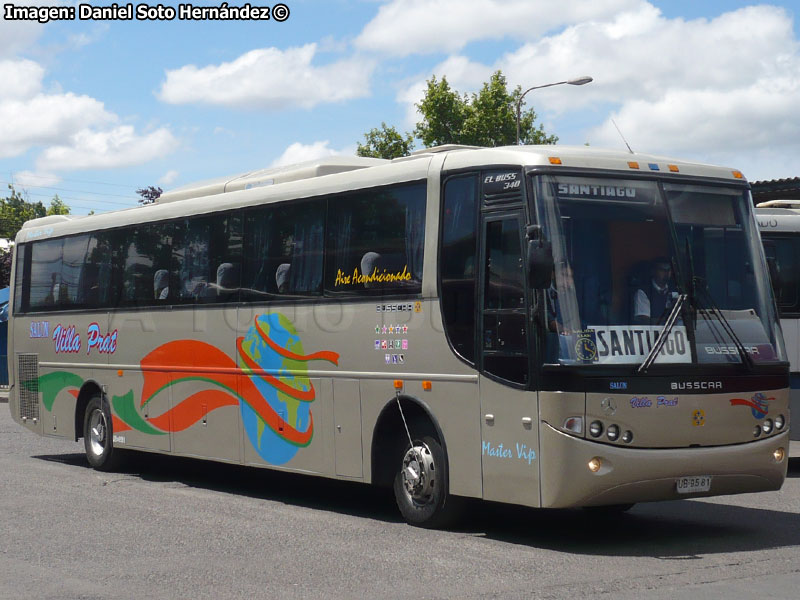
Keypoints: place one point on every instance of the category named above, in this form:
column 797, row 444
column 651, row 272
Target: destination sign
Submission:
column 618, row 344
column 609, row 191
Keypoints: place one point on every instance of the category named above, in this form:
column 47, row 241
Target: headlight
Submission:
column 627, row 437
column 573, row 424
column 766, row 426
column 613, row 433
column 780, row 421
column 596, row 429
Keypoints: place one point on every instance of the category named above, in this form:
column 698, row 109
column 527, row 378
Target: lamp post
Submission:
column 578, row 81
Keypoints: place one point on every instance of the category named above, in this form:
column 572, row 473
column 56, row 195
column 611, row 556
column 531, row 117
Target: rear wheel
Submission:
column 98, row 436
column 421, row 485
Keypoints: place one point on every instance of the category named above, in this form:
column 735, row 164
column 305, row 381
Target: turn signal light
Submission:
column 779, row 454
column 595, row 464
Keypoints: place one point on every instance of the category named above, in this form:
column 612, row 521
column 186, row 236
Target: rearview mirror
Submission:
column 539, row 258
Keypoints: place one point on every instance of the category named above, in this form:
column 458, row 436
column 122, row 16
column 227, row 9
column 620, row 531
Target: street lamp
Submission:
column 579, row 81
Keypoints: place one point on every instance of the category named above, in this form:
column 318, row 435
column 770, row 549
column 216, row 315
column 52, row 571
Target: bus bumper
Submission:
column 630, row 475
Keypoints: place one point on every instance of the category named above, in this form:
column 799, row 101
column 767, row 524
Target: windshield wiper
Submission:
column 716, row 312
column 662, row 338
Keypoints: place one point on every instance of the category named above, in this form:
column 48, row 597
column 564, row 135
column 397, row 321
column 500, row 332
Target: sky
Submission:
column 94, row 109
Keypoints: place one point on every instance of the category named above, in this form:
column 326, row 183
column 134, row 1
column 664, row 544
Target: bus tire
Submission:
column 421, row 485
column 98, row 436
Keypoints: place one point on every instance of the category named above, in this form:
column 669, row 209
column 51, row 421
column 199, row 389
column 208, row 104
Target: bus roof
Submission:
column 343, row 173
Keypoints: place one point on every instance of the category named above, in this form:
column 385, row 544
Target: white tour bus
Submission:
column 779, row 222
column 545, row 326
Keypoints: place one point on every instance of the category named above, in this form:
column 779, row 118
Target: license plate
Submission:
column 695, row 484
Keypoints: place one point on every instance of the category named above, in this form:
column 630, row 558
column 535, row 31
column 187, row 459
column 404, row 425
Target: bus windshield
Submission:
column 626, row 251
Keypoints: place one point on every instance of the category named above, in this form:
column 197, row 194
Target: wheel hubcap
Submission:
column 97, row 432
column 418, row 474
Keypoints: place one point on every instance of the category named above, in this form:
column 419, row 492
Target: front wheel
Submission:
column 421, row 485
column 97, row 436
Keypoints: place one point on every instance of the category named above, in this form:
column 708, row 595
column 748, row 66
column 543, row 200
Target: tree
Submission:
column 149, row 194
column 57, row 207
column 385, row 142
column 487, row 118
column 15, row 210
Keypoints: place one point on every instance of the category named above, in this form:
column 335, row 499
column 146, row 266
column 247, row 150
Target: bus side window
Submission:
column 783, row 252
column 457, row 266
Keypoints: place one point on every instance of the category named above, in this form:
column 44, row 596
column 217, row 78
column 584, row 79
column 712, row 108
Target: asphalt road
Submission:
column 177, row 528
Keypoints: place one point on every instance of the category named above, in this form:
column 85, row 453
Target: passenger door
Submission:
column 509, row 427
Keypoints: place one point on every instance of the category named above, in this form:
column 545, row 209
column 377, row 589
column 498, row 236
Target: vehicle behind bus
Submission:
column 779, row 223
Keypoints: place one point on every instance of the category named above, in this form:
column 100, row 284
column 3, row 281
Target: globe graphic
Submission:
column 270, row 444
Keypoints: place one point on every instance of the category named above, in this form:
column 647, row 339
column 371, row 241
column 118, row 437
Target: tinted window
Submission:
column 283, row 250
column 375, row 241
column 784, row 250
column 206, row 259
column 20, row 301
column 46, row 283
column 457, row 268
column 145, row 263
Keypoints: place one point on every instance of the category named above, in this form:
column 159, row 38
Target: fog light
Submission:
column 766, row 426
column 595, row 464
column 573, row 424
column 596, row 429
column 627, row 437
column 780, row 421
column 778, row 454
column 613, row 433
column 757, row 431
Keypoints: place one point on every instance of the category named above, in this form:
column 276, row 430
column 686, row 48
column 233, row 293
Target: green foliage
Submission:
column 15, row 210
column 445, row 114
column 57, row 207
column 487, row 118
column 385, row 142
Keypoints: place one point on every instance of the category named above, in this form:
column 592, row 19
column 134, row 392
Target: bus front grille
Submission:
column 28, row 385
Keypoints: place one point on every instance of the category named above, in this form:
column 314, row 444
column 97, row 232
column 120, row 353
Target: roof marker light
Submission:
column 554, row 160
column 653, row 166
column 633, row 164
column 737, row 175
column 673, row 168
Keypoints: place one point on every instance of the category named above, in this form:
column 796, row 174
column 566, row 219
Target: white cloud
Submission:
column 31, row 179
column 117, row 147
column 20, row 79
column 640, row 54
column 298, row 152
column 168, row 178
column 404, row 27
column 47, row 119
column 269, row 78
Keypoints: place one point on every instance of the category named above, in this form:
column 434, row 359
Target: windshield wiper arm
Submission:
column 662, row 338
column 726, row 325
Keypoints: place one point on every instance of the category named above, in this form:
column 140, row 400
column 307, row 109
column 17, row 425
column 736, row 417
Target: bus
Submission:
column 779, row 223
column 544, row 326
